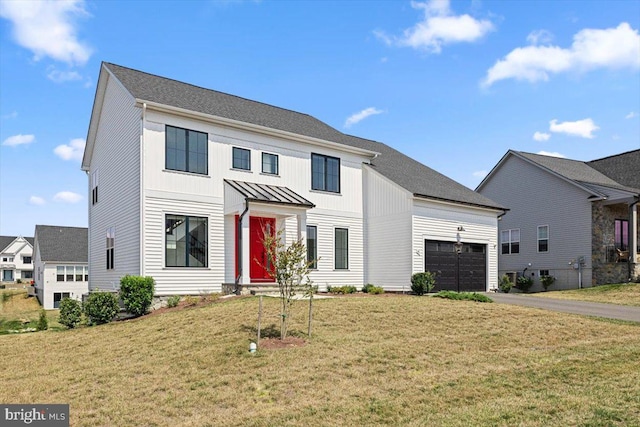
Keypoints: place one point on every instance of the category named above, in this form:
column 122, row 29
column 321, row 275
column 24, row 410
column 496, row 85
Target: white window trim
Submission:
column 511, row 230
column 538, row 239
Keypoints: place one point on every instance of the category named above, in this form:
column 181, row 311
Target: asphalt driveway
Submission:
column 611, row 311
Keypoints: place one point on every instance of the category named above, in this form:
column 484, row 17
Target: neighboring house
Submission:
column 568, row 218
column 183, row 181
column 60, row 261
column 16, row 259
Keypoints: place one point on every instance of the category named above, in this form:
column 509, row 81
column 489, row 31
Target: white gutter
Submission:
column 236, row 124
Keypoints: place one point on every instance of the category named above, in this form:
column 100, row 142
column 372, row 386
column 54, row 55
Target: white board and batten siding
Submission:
column 171, row 192
column 116, row 157
column 387, row 210
column 549, row 200
column 434, row 220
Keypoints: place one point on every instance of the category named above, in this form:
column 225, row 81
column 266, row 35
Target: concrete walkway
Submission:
column 611, row 311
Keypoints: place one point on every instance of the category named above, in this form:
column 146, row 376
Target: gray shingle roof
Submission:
column 7, row 240
column 411, row 175
column 624, row 168
column 577, row 171
column 62, row 244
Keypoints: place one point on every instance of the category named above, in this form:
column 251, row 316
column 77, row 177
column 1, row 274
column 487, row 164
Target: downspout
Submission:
column 89, row 200
column 239, row 246
column 631, row 238
column 141, row 187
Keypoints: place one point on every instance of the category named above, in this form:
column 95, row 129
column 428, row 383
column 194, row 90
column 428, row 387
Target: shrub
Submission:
column 547, row 281
column 525, row 283
column 191, row 300
column 348, row 289
column 70, row 313
column 372, row 289
column 423, row 283
column 43, row 322
column 505, row 284
column 463, row 296
column 101, row 307
column 137, row 294
column 173, row 301
column 19, row 281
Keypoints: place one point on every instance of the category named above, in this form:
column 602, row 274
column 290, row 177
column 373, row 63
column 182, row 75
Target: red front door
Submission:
column 257, row 227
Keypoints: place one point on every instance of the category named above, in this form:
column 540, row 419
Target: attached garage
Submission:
column 442, row 259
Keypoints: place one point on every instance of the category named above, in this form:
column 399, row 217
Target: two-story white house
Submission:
column 60, row 264
column 16, row 263
column 183, row 182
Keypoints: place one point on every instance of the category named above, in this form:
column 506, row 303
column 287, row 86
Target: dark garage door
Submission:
column 440, row 258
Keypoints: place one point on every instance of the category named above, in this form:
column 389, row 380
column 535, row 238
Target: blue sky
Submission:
column 452, row 84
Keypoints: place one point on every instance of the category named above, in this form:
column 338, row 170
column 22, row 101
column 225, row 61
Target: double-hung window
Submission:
column 543, row 238
column 510, row 241
column 270, row 163
column 186, row 150
column 341, row 249
column 241, row 158
column 312, row 246
column 185, row 241
column 325, row 173
column 621, row 234
column 111, row 244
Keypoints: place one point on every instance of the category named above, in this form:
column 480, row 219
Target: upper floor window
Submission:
column 341, row 248
column 185, row 241
column 111, row 244
column 7, row 259
column 270, row 163
column 312, row 246
column 621, row 234
column 510, row 241
column 241, row 158
column 26, row 260
column 94, row 187
column 325, row 173
column 186, row 150
column 543, row 238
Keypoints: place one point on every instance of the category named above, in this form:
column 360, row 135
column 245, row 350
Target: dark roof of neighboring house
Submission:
column 623, row 168
column 580, row 172
column 410, row 174
column 63, row 244
column 7, row 240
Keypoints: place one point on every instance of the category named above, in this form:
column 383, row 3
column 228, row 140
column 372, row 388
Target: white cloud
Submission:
column 582, row 128
column 58, row 76
column 631, row 115
column 67, row 197
column 541, row 136
column 35, row 200
column 47, row 28
column 539, row 37
column 591, row 48
column 357, row 117
column 552, row 154
column 74, row 150
column 480, row 174
column 11, row 115
column 19, row 139
column 439, row 27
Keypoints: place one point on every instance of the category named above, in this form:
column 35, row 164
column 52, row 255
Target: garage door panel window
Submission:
column 510, row 241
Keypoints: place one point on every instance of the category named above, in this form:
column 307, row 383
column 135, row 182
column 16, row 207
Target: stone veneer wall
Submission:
column 602, row 235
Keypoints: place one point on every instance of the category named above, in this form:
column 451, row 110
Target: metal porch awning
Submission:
column 271, row 194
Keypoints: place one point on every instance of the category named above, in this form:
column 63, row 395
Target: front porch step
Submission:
column 270, row 289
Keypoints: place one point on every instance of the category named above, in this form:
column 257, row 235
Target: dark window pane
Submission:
column 333, row 175
column 241, row 158
column 186, row 150
column 515, row 248
column 269, row 163
column 312, row 246
column 505, row 248
column 60, row 274
column 341, row 248
column 185, row 241
column 543, row 245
